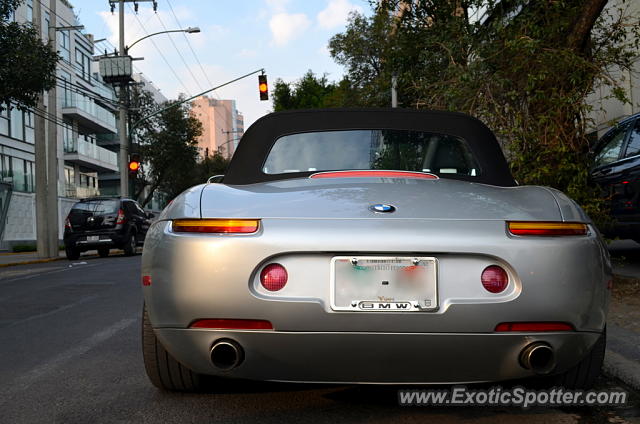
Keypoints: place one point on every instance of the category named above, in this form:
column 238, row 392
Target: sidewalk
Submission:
column 10, row 259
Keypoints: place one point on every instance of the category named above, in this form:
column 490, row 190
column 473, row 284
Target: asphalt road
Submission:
column 70, row 353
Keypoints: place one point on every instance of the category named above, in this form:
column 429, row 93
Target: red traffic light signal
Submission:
column 134, row 164
column 263, row 87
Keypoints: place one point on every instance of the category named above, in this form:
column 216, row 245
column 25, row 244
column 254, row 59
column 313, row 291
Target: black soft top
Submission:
column 255, row 145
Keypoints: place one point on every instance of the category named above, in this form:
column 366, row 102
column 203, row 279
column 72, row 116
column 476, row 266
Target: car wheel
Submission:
column 72, row 254
column 583, row 375
column 130, row 245
column 103, row 252
column 162, row 369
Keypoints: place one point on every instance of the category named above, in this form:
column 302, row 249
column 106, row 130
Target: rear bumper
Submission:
column 384, row 358
column 107, row 239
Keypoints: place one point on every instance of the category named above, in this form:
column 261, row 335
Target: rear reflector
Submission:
column 494, row 279
column 228, row 226
column 533, row 326
column 520, row 228
column 374, row 173
column 146, row 280
column 273, row 277
column 232, row 324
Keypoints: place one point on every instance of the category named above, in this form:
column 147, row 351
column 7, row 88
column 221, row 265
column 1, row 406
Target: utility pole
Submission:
column 122, row 123
column 52, row 153
column 42, row 235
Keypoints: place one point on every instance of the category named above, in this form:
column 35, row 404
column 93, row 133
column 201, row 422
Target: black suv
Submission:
column 103, row 223
column 617, row 170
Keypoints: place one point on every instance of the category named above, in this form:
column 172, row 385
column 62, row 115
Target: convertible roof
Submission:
column 247, row 162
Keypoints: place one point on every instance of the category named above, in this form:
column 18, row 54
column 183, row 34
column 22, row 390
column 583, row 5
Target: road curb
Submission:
column 616, row 365
column 32, row 261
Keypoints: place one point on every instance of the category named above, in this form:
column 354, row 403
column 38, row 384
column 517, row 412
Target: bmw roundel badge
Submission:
column 382, row 208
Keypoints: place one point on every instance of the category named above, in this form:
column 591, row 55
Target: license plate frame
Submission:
column 427, row 283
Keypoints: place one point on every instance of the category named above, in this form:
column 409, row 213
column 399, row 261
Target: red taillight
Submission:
column 374, row 173
column 533, row 326
column 494, row 279
column 146, row 280
column 228, row 226
column 523, row 228
column 67, row 224
column 273, row 277
column 121, row 218
column 232, row 324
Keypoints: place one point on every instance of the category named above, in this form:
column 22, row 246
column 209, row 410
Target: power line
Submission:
column 206, row 77
column 180, row 54
column 161, row 55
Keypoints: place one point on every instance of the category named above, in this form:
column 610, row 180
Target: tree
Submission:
column 27, row 66
column 168, row 146
column 524, row 68
column 311, row 92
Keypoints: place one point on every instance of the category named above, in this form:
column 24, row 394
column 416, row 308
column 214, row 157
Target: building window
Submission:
column 5, row 168
column 17, row 122
column 4, row 119
column 30, row 10
column 64, row 44
column 83, row 65
column 69, row 175
column 45, row 27
column 67, row 101
column 29, row 127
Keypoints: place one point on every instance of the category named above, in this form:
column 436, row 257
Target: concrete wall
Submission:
column 20, row 226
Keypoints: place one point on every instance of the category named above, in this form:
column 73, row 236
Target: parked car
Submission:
column 372, row 246
column 616, row 169
column 105, row 223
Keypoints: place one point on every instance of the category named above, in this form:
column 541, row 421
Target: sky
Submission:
column 285, row 37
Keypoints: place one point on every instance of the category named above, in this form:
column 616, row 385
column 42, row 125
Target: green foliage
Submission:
column 308, row 92
column 20, row 248
column 167, row 144
column 525, row 68
column 210, row 166
column 27, row 66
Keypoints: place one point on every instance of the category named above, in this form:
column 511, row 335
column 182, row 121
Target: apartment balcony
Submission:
column 91, row 156
column 88, row 114
column 80, row 192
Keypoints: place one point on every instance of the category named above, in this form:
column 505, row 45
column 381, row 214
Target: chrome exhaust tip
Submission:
column 538, row 357
column 226, row 355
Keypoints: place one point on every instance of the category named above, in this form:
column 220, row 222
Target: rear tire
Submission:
column 162, row 369
column 72, row 254
column 584, row 374
column 103, row 252
column 130, row 245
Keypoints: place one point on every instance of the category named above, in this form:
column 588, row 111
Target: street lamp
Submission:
column 122, row 127
column 190, row 30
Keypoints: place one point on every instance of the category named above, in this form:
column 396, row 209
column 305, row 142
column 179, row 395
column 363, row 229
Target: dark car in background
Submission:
column 616, row 170
column 105, row 223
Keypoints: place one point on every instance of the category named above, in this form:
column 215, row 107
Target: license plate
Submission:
column 384, row 284
column 93, row 238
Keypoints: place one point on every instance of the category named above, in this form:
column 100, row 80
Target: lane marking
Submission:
column 55, row 311
column 23, row 382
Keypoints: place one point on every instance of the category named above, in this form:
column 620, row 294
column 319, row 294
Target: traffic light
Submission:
column 263, row 87
column 134, row 164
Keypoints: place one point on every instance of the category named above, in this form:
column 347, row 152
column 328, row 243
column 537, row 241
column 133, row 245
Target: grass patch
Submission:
column 625, row 287
column 19, row 248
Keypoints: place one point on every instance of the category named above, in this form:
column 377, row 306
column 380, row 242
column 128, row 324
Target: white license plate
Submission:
column 384, row 284
column 93, row 238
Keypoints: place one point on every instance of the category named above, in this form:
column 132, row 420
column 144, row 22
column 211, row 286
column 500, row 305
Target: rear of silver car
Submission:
column 320, row 326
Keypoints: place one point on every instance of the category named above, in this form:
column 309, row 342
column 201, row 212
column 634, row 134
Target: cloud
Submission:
column 278, row 6
column 336, row 13
column 284, row 27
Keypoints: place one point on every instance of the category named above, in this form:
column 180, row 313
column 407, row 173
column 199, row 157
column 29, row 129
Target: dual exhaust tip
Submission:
column 226, row 354
column 538, row 357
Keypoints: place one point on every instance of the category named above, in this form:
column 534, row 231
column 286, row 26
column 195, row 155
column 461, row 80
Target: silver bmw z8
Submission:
column 372, row 246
